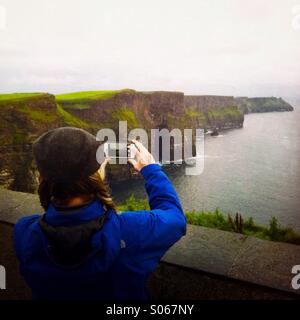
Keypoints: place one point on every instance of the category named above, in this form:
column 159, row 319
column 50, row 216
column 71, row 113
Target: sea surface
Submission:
column 254, row 170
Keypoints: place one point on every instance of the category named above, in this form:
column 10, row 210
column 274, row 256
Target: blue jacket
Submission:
column 128, row 247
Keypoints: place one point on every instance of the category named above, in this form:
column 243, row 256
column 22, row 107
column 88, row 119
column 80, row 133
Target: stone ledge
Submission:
column 210, row 251
column 238, row 257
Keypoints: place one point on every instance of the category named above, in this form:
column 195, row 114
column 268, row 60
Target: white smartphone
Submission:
column 113, row 150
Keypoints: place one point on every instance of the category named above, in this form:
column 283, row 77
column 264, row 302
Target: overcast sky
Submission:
column 230, row 47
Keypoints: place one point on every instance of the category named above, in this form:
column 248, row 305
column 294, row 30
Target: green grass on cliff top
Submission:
column 88, row 95
column 71, row 120
column 17, row 96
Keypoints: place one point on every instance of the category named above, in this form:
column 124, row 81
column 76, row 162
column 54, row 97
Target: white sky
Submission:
column 230, row 47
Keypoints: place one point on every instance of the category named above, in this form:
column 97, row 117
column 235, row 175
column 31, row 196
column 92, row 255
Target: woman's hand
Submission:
column 142, row 156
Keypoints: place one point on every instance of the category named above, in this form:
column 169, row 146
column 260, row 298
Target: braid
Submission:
column 102, row 191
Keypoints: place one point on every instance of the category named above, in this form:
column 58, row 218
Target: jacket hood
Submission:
column 74, row 236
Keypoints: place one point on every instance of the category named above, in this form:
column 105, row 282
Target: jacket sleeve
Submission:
column 165, row 223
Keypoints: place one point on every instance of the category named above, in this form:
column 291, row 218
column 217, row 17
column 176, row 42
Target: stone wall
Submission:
column 205, row 264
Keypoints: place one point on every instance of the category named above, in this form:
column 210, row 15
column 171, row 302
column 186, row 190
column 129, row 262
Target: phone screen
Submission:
column 119, row 150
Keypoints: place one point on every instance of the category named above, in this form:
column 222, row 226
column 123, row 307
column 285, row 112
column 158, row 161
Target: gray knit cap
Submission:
column 66, row 154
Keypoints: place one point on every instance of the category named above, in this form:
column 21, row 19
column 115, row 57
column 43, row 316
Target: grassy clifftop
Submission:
column 6, row 97
column 26, row 115
column 88, row 95
column 23, row 117
column 84, row 99
column 152, row 109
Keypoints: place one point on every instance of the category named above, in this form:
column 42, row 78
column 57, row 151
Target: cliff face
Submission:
column 157, row 110
column 141, row 109
column 217, row 111
column 266, row 104
column 23, row 117
column 205, row 103
column 26, row 116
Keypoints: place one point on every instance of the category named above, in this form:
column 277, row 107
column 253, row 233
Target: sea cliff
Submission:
column 25, row 116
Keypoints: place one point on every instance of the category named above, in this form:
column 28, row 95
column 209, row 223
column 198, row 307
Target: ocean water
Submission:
column 254, row 170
